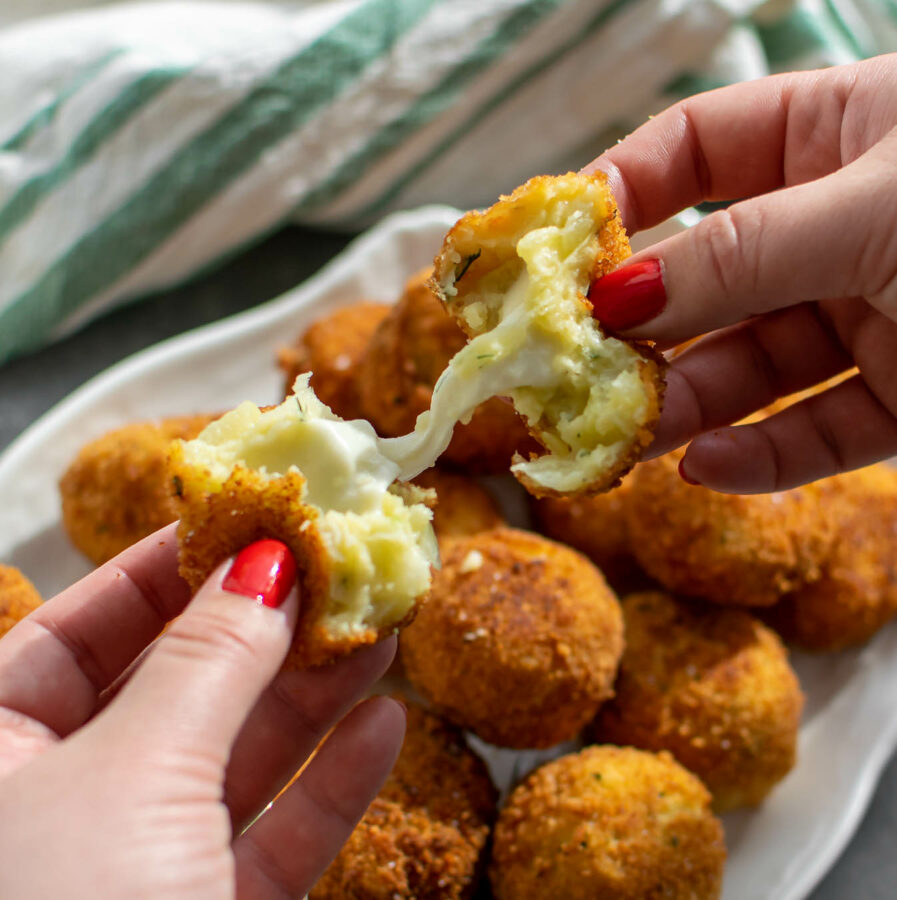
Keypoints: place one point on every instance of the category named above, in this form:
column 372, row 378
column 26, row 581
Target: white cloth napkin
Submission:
column 142, row 142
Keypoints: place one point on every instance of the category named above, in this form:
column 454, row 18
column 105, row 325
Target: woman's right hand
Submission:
column 798, row 281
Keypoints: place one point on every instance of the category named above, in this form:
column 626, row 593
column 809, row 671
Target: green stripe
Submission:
column 846, row 31
column 85, row 145
column 797, row 34
column 273, row 109
column 689, row 83
column 46, row 114
column 521, row 20
column 378, row 206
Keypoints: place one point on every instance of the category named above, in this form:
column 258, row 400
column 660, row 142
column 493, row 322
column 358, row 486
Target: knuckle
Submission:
column 208, row 634
column 729, row 246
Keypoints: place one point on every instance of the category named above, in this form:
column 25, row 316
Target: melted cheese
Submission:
column 379, row 546
column 539, row 346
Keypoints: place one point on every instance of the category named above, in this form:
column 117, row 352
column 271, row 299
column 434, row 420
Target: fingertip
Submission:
column 732, row 460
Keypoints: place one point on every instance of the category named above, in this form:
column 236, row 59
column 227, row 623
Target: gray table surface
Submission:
column 31, row 385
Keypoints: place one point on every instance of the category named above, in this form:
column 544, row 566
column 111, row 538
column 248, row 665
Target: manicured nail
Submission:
column 684, row 475
column 629, row 296
column 265, row 571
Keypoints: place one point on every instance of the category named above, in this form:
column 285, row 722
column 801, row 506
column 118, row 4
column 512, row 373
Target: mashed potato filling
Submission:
column 380, row 547
column 535, row 341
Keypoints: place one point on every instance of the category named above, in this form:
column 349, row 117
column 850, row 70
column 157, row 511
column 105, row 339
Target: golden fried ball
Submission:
column 519, row 640
column 713, row 687
column 596, row 526
column 425, row 833
column 117, row 490
column 332, row 349
column 462, row 506
column 18, row 597
column 522, row 269
column 731, row 549
column 609, row 822
column 407, row 354
column 857, row 593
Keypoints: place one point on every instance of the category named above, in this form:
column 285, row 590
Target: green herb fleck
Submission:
column 596, row 776
column 674, row 840
column 486, row 356
column 467, row 264
column 178, row 485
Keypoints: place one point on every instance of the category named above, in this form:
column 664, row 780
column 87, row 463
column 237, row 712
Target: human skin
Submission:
column 138, row 779
column 797, row 282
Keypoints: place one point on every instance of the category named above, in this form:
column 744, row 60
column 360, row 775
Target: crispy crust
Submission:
column 332, row 349
column 857, row 592
column 117, row 489
column 596, row 526
column 216, row 523
column 18, row 597
column 405, row 357
column 608, row 822
column 730, row 549
column 713, row 687
column 424, row 836
column 464, row 242
column 520, row 645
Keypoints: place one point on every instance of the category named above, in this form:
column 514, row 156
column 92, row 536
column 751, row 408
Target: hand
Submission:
column 135, row 782
column 797, row 283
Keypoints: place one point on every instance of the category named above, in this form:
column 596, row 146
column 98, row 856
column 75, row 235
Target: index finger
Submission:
column 728, row 144
column 55, row 663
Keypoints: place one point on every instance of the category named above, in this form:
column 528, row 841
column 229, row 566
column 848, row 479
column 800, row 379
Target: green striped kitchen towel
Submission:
column 141, row 142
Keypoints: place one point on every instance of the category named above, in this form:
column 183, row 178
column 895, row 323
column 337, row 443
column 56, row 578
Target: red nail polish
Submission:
column 629, row 296
column 265, row 571
column 684, row 475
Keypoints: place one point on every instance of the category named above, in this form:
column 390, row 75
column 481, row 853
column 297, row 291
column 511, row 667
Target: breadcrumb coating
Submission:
column 117, row 490
column 519, row 640
column 857, row 592
column 18, row 597
column 730, row 549
column 424, row 836
column 332, row 349
column 596, row 526
column 609, row 822
column 405, row 357
column 711, row 685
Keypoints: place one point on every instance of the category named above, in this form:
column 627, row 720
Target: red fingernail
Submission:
column 684, row 475
column 265, row 571
column 629, row 296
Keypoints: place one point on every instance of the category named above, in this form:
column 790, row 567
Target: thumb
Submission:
column 825, row 239
column 199, row 683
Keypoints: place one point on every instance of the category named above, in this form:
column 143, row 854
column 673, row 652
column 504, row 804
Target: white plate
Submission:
column 778, row 852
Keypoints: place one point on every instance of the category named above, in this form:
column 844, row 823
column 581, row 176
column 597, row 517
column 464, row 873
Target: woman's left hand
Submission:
column 131, row 774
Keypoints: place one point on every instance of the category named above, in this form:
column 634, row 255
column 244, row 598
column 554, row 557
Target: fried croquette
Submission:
column 462, row 506
column 332, row 349
column 424, row 836
column 300, row 474
column 730, row 549
column 609, row 822
column 596, row 526
column 857, row 592
column 118, row 490
column 519, row 640
column 18, row 597
column 516, row 278
column 711, row 685
column 405, row 357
